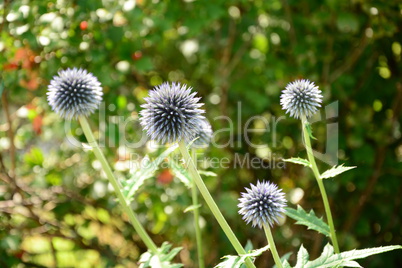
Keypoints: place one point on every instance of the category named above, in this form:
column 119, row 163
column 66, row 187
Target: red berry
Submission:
column 83, row 25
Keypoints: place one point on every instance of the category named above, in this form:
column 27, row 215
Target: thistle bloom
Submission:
column 74, row 92
column 263, row 204
column 171, row 113
column 301, row 98
column 203, row 135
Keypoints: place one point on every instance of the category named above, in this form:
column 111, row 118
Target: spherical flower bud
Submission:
column 203, row 135
column 172, row 113
column 263, row 204
column 74, row 92
column 301, row 98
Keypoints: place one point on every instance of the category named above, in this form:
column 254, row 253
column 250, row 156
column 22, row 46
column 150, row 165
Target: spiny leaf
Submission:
column 308, row 219
column 181, row 173
column 146, row 172
column 236, row 261
column 334, row 171
column 302, row 257
column 285, row 264
column 345, row 259
column 162, row 260
column 298, row 160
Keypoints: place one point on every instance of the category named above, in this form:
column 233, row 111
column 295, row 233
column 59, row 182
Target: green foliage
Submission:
column 162, row 260
column 237, row 261
column 145, row 172
column 343, row 259
column 298, row 160
column 335, row 171
column 308, row 219
column 181, row 173
column 245, row 52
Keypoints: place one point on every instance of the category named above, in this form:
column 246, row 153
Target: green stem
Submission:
column 123, row 202
column 317, row 175
column 211, row 203
column 196, row 211
column 272, row 246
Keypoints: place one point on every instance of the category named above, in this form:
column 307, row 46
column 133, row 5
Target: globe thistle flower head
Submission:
column 74, row 92
column 301, row 98
column 203, row 135
column 172, row 113
column 262, row 204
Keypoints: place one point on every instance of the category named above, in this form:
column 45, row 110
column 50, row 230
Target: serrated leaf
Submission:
column 230, row 262
column 236, row 261
column 345, row 259
column 169, row 256
column 181, row 174
column 302, row 257
column 256, row 252
column 146, row 172
column 285, row 264
column 308, row 219
column 162, row 259
column 191, row 208
column 334, row 171
column 298, row 160
column 352, row 264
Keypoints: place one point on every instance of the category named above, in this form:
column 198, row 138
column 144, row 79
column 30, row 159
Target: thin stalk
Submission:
column 211, row 203
column 198, row 236
column 123, row 202
column 317, row 176
column 272, row 246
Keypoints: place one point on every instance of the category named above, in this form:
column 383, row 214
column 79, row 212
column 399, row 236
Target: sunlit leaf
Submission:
column 344, row 259
column 334, row 171
column 232, row 261
column 162, row 260
column 308, row 219
column 145, row 172
column 298, row 160
column 191, row 208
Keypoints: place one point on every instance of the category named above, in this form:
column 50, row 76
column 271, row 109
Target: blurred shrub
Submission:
column 56, row 208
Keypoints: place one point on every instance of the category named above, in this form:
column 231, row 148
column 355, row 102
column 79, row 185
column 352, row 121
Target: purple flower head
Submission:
column 301, row 98
column 263, row 204
column 74, row 92
column 172, row 113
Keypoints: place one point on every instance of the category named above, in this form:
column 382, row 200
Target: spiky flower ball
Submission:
column 172, row 113
column 301, row 98
column 74, row 92
column 263, row 204
column 203, row 135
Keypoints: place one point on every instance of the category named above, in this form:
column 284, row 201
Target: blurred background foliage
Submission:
column 56, row 209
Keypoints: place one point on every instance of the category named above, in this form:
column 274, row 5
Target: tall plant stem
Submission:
column 272, row 246
column 198, row 236
column 123, row 202
column 317, row 176
column 211, row 203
